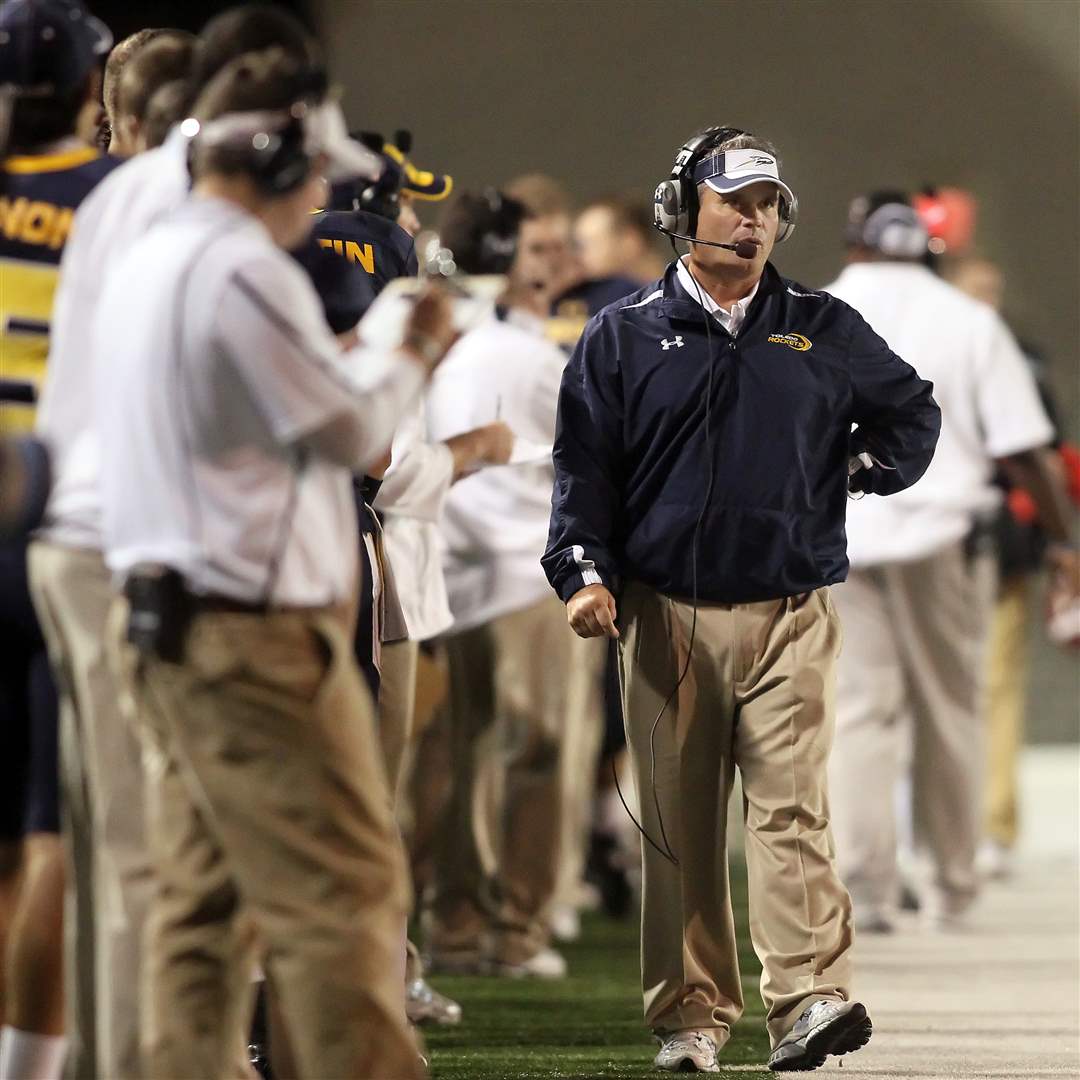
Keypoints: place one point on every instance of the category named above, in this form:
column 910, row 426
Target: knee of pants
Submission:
column 775, row 822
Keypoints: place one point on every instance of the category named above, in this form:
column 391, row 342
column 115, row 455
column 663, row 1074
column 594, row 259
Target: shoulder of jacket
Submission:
column 801, row 292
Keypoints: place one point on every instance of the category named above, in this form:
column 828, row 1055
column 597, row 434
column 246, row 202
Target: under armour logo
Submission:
column 677, row 342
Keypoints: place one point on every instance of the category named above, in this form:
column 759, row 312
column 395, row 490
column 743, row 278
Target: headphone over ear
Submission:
column 498, row 241
column 675, row 202
column 280, row 162
column 481, row 230
column 276, row 155
column 886, row 223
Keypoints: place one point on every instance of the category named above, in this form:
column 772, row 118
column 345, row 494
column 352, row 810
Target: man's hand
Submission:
column 591, row 612
column 491, row 444
column 429, row 331
column 497, row 443
column 377, row 469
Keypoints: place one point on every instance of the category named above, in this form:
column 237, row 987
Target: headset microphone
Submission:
column 745, row 249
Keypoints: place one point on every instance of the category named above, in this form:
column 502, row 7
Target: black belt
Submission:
column 224, row 605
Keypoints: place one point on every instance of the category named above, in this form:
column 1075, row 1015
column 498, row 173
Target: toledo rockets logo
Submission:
column 792, row 341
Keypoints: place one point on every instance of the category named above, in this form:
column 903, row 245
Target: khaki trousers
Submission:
column 758, row 696
column 914, row 636
column 397, row 709
column 108, row 872
column 580, row 756
column 1007, row 669
column 497, row 852
column 269, row 811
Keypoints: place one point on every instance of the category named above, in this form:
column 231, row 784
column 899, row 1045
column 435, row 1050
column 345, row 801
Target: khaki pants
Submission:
column 1006, row 705
column 497, row 853
column 758, row 696
column 428, row 779
column 269, row 810
column 914, row 635
column 109, row 878
column 397, row 708
column 580, row 756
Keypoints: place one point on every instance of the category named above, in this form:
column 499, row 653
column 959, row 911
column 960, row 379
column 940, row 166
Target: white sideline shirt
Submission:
column 119, row 211
column 220, row 371
column 990, row 408
column 410, row 502
column 495, row 523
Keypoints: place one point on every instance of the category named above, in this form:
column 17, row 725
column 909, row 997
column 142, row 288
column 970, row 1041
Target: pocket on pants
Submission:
column 285, row 653
column 825, row 593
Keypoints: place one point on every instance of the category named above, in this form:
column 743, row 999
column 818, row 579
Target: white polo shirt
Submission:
column 410, row 503
column 494, row 524
column 990, row 408
column 220, row 371
column 108, row 222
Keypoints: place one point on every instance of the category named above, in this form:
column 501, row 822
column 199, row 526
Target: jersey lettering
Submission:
column 364, row 254
column 35, row 222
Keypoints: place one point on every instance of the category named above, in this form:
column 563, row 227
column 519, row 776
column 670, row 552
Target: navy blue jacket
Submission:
column 631, row 454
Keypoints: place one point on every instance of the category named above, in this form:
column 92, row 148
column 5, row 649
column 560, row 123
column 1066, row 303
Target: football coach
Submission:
column 703, row 461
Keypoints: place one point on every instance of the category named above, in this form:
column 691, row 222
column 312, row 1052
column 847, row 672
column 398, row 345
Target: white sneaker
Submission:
column 995, row 861
column 425, row 1005
column 546, row 964
column 565, row 923
column 687, row 1051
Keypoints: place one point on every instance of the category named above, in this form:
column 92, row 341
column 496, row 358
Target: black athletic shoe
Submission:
column 826, row 1027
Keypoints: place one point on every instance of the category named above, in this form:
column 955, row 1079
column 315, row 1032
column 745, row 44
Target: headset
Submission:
column 485, row 227
column 270, row 145
column 676, row 202
column 887, row 223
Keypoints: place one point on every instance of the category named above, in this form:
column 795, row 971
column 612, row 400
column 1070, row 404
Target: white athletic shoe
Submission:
column 546, row 964
column 565, row 923
column 995, row 861
column 425, row 1005
column 687, row 1051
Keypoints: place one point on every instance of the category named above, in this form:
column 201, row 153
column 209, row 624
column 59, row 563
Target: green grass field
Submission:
column 587, row 1025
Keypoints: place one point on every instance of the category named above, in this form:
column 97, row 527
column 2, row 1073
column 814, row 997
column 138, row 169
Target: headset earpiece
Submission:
column 666, row 208
column 789, row 215
column 280, row 162
column 886, row 224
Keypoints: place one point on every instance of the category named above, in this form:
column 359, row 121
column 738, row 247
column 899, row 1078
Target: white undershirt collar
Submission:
column 731, row 320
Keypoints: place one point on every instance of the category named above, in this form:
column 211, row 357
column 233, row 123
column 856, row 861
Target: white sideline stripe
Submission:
column 805, row 295
column 648, row 300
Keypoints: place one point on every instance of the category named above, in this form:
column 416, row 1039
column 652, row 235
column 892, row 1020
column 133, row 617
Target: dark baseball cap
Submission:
column 49, row 45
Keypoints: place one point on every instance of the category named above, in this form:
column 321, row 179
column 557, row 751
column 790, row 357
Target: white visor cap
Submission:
column 729, row 170
column 325, row 132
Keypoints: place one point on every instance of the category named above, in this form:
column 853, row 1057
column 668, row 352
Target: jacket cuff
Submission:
column 577, row 581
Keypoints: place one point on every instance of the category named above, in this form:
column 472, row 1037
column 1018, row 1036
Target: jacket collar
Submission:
column 679, row 306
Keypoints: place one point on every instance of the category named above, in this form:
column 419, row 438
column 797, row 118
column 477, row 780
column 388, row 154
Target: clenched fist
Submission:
column 591, row 612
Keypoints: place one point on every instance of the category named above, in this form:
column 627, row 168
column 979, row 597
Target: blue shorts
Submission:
column 29, row 760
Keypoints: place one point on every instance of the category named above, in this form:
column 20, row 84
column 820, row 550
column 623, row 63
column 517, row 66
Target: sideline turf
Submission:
column 587, row 1025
